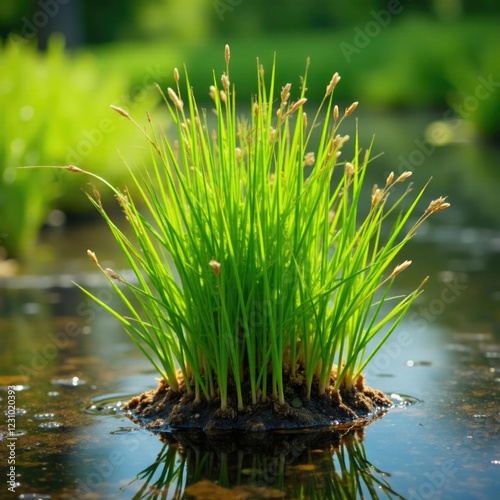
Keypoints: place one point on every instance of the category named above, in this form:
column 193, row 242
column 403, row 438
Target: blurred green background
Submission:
column 437, row 57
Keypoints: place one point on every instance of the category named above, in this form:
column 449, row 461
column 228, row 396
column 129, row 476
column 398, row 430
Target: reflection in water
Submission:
column 268, row 465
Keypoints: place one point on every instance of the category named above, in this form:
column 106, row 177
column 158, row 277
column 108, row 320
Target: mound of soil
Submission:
column 164, row 410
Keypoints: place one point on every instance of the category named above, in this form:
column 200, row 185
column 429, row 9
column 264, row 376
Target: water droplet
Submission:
column 33, row 496
column 124, row 430
column 17, row 433
column 50, row 425
column 17, row 413
column 43, row 416
column 108, row 404
column 403, row 400
column 17, row 388
column 105, row 409
column 53, row 394
column 69, row 382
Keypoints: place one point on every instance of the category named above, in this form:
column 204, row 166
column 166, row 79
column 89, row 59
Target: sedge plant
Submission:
column 252, row 267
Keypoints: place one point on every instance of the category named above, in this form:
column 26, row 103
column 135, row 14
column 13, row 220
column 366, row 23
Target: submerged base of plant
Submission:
column 164, row 409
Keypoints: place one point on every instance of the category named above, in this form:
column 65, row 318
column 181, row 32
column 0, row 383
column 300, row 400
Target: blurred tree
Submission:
column 111, row 20
column 65, row 18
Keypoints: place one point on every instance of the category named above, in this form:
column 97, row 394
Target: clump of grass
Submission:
column 251, row 266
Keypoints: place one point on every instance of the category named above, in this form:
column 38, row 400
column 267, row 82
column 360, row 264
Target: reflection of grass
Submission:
column 314, row 466
column 252, row 270
column 53, row 108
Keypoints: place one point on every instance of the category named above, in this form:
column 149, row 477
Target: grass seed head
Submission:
column 227, row 54
column 309, row 159
column 76, row 170
column 437, row 205
column 377, row 195
column 331, row 86
column 297, row 105
column 93, row 258
column 225, row 82
column 113, row 275
column 349, row 169
column 403, row 176
column 351, row 108
column 389, row 179
column 285, row 93
column 120, row 111
column 335, row 113
column 176, row 75
column 175, row 99
column 400, row 268
column 215, row 265
column 211, row 92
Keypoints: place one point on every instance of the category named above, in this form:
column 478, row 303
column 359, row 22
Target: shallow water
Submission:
column 72, row 366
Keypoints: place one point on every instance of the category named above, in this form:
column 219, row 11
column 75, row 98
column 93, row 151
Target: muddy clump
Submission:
column 163, row 409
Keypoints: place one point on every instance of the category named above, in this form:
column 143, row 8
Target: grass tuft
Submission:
column 254, row 261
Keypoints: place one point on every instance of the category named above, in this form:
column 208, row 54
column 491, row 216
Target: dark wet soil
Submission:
column 163, row 409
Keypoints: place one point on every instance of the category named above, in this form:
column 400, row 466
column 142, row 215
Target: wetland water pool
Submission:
column 66, row 367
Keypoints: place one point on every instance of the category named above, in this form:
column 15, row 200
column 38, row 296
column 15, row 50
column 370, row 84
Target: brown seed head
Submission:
column 437, row 205
column 113, row 275
column 173, row 96
column 331, row 86
column 285, row 93
column 97, row 195
column 349, row 169
column 215, row 265
column 400, row 268
column 120, row 111
column 272, row 134
column 351, row 108
column 223, row 96
column 227, row 54
column 225, row 82
column 309, row 159
column 304, row 119
column 297, row 105
column 72, row 168
column 377, row 196
column 176, row 75
column 389, row 179
column 335, row 113
column 403, row 176
column 211, row 92
column 93, row 258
